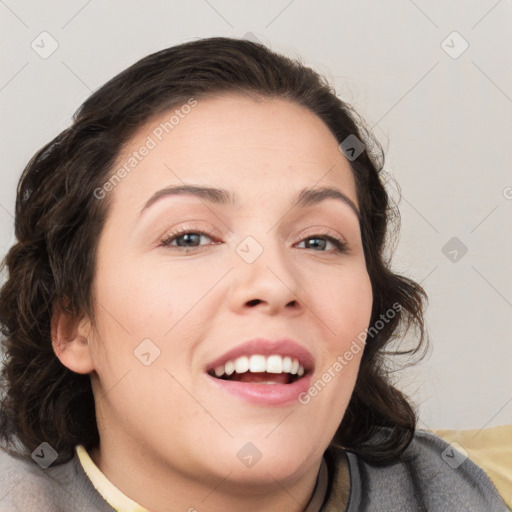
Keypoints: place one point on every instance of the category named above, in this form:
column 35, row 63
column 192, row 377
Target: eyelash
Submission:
column 341, row 245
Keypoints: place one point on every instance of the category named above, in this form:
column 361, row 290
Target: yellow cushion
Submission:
column 491, row 449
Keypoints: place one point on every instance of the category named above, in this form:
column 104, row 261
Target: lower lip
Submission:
column 264, row 394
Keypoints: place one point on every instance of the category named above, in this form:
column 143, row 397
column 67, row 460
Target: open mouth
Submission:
column 260, row 369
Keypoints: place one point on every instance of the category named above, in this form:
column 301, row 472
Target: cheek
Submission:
column 346, row 303
column 153, row 296
column 144, row 300
column 346, row 311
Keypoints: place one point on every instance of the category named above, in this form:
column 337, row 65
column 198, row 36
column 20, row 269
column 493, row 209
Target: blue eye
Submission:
column 184, row 239
column 340, row 245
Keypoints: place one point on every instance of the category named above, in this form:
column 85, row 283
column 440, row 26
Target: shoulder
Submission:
column 22, row 486
column 446, row 468
column 491, row 449
column 25, row 486
column 430, row 475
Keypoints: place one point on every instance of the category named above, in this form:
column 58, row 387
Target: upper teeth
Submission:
column 258, row 363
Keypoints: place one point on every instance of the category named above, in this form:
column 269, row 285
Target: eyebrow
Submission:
column 306, row 197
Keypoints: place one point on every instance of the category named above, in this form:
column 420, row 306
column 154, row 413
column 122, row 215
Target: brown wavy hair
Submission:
column 58, row 221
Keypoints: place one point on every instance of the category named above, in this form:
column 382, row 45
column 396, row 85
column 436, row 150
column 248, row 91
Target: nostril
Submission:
column 254, row 302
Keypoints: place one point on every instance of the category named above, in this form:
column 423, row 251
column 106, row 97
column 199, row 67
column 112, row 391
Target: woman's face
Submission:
column 255, row 282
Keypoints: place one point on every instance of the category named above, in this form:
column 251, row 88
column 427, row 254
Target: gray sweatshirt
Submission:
column 429, row 477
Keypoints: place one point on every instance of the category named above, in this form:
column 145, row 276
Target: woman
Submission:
column 198, row 305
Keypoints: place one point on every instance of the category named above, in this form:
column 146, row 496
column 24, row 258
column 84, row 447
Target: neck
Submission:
column 160, row 489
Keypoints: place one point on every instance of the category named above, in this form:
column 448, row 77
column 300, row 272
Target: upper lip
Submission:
column 265, row 347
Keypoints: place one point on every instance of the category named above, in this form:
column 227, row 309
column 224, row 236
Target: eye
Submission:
column 320, row 241
column 184, row 238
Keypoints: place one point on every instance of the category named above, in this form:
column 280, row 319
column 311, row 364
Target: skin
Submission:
column 169, row 439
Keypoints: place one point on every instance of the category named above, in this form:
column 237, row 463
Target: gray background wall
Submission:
column 442, row 111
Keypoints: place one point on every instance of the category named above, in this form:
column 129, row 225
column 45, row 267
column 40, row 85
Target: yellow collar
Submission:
column 111, row 494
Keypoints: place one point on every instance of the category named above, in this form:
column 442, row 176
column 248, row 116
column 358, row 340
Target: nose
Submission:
column 269, row 283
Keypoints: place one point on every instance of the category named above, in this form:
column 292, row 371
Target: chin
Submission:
column 263, row 461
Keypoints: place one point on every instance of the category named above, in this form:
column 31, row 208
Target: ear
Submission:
column 69, row 341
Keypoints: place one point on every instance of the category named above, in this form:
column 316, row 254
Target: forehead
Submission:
column 251, row 146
